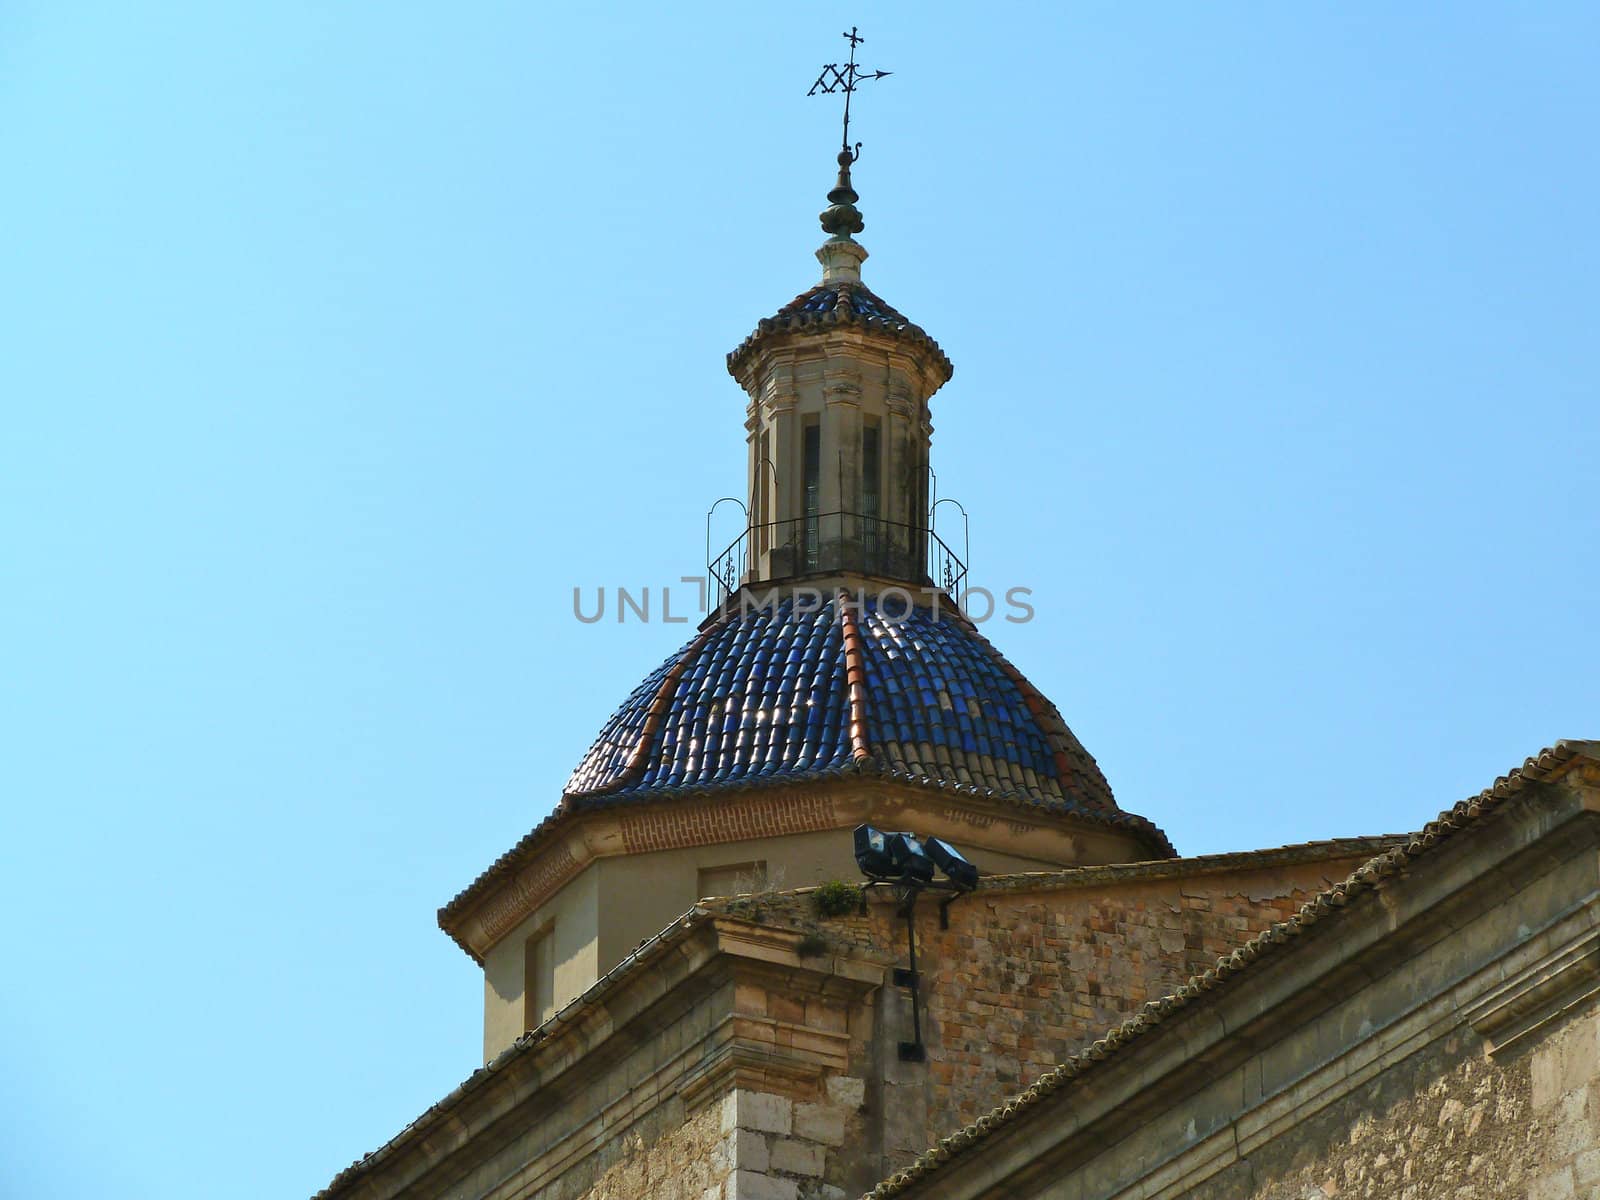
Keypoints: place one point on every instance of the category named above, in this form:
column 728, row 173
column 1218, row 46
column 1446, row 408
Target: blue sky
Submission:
column 338, row 344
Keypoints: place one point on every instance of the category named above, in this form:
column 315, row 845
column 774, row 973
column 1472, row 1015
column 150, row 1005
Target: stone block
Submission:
column 747, row 1150
column 758, row 1111
column 847, row 1091
column 1566, row 1062
column 1568, row 1131
column 750, row 999
column 795, row 1157
column 819, row 1123
column 1588, row 1167
column 823, row 1014
column 1556, row 1186
column 786, row 1008
column 754, row 1185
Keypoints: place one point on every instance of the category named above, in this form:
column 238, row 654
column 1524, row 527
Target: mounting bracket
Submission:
column 908, row 891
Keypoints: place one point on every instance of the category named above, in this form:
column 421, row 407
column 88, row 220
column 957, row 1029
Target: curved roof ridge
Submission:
column 855, row 674
column 639, row 760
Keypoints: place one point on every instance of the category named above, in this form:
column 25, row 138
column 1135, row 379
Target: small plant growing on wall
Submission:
column 812, row 945
column 837, row 899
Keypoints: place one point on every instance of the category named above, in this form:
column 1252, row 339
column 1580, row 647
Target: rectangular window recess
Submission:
column 732, row 879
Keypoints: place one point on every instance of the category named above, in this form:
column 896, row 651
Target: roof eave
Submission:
column 451, row 915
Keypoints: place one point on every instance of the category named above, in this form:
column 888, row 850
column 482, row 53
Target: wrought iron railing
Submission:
column 835, row 542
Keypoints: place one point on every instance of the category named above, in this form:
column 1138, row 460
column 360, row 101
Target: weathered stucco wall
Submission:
column 1030, row 968
column 571, row 918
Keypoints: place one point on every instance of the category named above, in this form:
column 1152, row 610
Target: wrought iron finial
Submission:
column 846, row 79
column 842, row 218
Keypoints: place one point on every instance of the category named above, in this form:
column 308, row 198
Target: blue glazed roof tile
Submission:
column 608, row 757
column 764, row 695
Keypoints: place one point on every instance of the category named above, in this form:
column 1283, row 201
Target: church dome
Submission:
column 783, row 694
column 851, row 686
column 840, row 303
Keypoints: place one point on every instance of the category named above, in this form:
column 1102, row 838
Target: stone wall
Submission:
column 1020, row 981
column 786, row 1149
column 614, row 1122
column 752, row 1053
column 688, row 1163
column 1450, row 1123
column 1429, row 1030
column 1031, row 968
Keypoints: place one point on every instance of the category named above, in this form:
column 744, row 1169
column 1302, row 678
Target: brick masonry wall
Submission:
column 1448, row 1123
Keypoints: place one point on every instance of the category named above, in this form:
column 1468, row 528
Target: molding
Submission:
column 529, row 888
column 739, row 1064
column 816, row 345
column 603, row 1064
column 684, row 826
column 1578, row 938
column 844, row 387
column 739, row 1050
column 612, row 831
column 1560, row 979
column 763, row 1053
column 607, row 833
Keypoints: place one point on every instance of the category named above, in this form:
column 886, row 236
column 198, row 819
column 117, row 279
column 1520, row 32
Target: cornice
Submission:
column 701, row 950
column 579, row 832
column 828, row 334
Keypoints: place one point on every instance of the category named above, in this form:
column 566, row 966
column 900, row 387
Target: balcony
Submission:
column 835, row 543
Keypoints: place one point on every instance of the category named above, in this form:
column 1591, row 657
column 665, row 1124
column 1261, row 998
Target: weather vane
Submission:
column 846, row 79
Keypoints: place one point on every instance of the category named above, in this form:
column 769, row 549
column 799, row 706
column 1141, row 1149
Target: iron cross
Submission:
column 835, row 78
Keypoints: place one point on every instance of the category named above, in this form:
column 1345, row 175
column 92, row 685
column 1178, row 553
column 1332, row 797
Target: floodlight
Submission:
column 953, row 863
column 889, row 855
column 872, row 851
column 909, row 856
